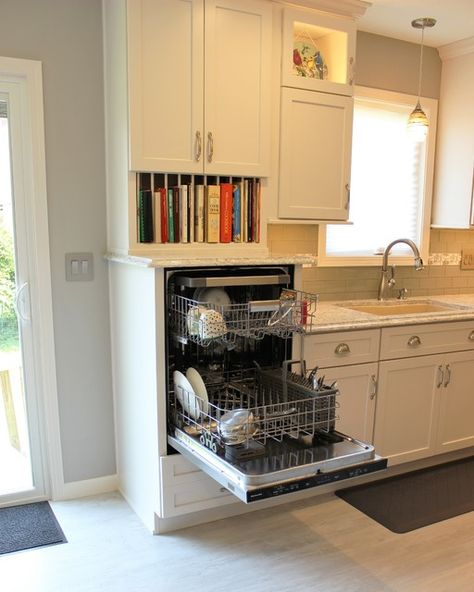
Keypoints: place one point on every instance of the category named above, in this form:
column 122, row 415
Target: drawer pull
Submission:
column 440, row 376
column 448, row 375
column 373, row 380
column 471, row 336
column 342, row 349
column 414, row 341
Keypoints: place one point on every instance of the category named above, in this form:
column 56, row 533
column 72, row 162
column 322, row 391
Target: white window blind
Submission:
column 387, row 183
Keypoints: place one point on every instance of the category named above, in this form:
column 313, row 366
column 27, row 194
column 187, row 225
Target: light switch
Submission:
column 79, row 267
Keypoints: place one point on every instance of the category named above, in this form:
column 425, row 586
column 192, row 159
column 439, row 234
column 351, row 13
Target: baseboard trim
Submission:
column 88, row 487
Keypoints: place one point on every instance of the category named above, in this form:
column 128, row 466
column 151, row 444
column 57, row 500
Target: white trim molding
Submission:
column 88, row 487
column 456, row 49
column 24, row 79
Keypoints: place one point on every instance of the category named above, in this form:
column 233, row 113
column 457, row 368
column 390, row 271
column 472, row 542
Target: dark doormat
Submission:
column 416, row 499
column 28, row 526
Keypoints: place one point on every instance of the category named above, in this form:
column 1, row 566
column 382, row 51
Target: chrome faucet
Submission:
column 383, row 278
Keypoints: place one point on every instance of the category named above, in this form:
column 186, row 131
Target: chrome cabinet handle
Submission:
column 440, row 376
column 471, row 336
column 348, row 202
column 414, row 341
column 342, row 349
column 210, row 146
column 373, row 379
column 447, row 380
column 198, row 146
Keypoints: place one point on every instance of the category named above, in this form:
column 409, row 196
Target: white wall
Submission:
column 66, row 35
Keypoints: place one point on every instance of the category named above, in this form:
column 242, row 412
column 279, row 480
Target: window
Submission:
column 391, row 183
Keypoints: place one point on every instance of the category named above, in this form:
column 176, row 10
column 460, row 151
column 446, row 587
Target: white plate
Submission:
column 197, row 293
column 215, row 296
column 185, row 394
column 199, row 387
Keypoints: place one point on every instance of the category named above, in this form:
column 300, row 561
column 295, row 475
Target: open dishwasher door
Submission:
column 236, row 407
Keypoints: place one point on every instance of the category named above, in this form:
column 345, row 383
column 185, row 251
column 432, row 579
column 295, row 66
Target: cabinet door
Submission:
column 456, row 424
column 238, row 40
column 453, row 196
column 407, row 408
column 315, row 153
column 357, row 386
column 165, row 73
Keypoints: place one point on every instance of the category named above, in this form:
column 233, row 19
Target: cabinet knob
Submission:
column 198, row 149
column 342, row 349
column 471, row 336
column 414, row 341
column 210, row 146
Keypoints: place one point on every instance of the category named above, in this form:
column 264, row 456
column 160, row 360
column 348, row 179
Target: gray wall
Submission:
column 66, row 36
column 391, row 64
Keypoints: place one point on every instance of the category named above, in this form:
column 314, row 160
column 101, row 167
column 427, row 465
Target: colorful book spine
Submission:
column 199, row 213
column 212, row 208
column 145, row 216
column 163, row 215
column 170, row 216
column 157, row 216
column 258, row 197
column 225, row 232
column 183, row 213
column 190, row 189
column 176, row 215
column 236, row 214
column 245, row 210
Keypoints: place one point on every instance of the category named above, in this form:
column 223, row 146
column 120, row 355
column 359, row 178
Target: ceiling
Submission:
column 392, row 18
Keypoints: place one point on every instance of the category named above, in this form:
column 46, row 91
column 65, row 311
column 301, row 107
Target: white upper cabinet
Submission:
column 315, row 155
column 318, row 52
column 454, row 173
column 199, row 86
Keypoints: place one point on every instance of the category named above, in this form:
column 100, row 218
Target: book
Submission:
column 236, row 213
column 250, row 211
column 157, row 216
column 190, row 213
column 258, row 194
column 170, row 216
column 199, row 213
column 183, row 213
column 145, row 216
column 212, row 211
column 245, row 209
column 163, row 211
column 176, row 215
column 225, row 230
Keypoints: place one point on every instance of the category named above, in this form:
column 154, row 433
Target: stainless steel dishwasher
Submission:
column 239, row 407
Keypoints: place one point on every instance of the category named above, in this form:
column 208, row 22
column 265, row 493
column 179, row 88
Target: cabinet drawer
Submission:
column 175, row 470
column 419, row 340
column 342, row 349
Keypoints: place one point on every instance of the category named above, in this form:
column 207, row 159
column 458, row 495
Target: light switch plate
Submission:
column 467, row 259
column 79, row 267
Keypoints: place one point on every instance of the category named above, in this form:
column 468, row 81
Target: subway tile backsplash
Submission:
column 351, row 283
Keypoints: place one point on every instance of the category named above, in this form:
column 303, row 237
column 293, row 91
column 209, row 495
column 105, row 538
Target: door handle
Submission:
column 198, row 145
column 447, row 380
column 374, row 387
column 210, row 146
column 440, row 376
column 19, row 303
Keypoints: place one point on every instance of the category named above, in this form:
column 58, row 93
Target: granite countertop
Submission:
column 337, row 316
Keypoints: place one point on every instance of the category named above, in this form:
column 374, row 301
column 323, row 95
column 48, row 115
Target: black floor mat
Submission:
column 28, row 526
column 416, row 499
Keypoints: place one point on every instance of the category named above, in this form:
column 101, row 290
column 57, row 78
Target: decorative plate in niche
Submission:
column 308, row 60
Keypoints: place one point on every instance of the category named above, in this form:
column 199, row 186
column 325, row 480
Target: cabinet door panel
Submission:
column 407, row 408
column 456, row 419
column 315, row 152
column 166, row 71
column 356, row 400
column 238, row 41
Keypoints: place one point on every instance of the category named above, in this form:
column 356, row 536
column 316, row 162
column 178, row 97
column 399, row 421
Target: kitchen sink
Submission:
column 404, row 308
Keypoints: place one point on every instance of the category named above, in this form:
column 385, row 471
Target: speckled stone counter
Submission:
column 338, row 316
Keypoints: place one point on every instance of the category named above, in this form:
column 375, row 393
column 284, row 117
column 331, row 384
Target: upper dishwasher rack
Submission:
column 205, row 322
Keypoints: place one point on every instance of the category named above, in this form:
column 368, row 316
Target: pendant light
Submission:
column 418, row 122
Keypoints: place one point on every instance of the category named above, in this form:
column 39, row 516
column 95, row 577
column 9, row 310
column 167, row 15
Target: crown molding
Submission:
column 456, row 49
column 349, row 8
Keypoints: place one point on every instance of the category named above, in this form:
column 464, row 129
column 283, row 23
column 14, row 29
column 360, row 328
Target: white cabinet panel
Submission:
column 342, row 348
column 315, row 153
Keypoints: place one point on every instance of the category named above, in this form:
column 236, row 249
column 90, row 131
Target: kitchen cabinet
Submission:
column 315, row 155
column 424, row 403
column 351, row 359
column 454, row 172
column 199, row 86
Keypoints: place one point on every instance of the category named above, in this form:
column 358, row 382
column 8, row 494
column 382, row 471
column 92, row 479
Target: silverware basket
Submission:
column 272, row 404
column 204, row 323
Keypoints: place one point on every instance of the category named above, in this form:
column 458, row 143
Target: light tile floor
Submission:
column 322, row 544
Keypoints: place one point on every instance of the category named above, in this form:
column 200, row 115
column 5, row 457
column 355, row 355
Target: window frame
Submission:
column 430, row 106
